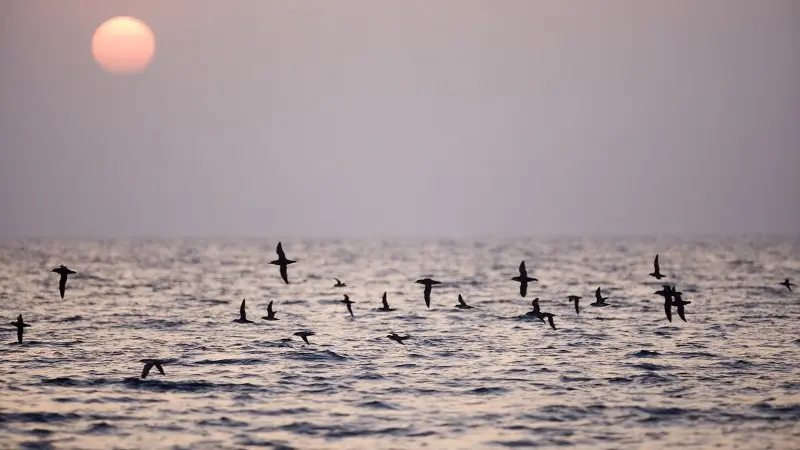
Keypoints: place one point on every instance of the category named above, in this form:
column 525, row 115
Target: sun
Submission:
column 123, row 45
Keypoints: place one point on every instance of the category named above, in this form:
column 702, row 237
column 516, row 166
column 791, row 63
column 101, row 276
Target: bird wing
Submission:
column 550, row 319
column 427, row 294
column 655, row 264
column 523, row 288
column 338, row 281
column 461, row 300
column 62, row 284
column 680, row 312
column 598, row 296
column 523, row 272
column 349, row 308
column 384, row 301
column 284, row 275
column 668, row 310
column 577, row 311
column 269, row 308
column 242, row 313
column 146, row 369
column 160, row 369
column 305, row 339
column 279, row 250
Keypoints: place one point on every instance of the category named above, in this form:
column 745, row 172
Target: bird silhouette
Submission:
column 523, row 279
column 283, row 262
column 62, row 282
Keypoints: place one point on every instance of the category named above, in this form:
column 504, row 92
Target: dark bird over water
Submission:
column 339, row 283
column 20, row 324
column 348, row 302
column 666, row 292
column 575, row 299
column 283, row 262
column 397, row 338
column 462, row 304
column 601, row 301
column 242, row 315
column 536, row 310
column 305, row 335
column 549, row 318
column 786, row 283
column 385, row 304
column 148, row 364
column 427, row 292
column 679, row 303
column 62, row 282
column 270, row 313
column 523, row 279
column 656, row 274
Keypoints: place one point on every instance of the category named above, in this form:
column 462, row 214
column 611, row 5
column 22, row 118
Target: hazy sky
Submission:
column 403, row 118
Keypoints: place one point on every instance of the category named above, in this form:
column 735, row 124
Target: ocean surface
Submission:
column 614, row 377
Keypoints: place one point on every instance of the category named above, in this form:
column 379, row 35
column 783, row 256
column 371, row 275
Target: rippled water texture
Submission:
column 615, row 377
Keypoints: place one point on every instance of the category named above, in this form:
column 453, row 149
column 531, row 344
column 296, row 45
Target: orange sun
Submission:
column 123, row 45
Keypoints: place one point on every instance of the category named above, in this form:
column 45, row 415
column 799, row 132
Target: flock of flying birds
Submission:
column 672, row 298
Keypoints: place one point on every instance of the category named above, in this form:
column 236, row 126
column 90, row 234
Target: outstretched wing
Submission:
column 269, row 308
column 461, row 300
column 242, row 313
column 577, row 311
column 427, row 294
column 279, row 250
column 284, row 275
column 598, row 296
column 62, row 284
column 384, row 301
column 146, row 369
column 350, row 309
column 655, row 264
column 550, row 319
column 522, row 271
column 680, row 312
column 668, row 310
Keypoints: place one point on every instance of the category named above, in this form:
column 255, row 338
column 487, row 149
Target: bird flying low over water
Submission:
column 788, row 284
column 656, row 273
column 535, row 311
column 148, row 364
column 304, row 335
column 62, row 282
column 348, row 302
column 523, row 279
column 666, row 292
column 427, row 292
column 270, row 313
column 339, row 283
column 575, row 299
column 549, row 318
column 283, row 262
column 20, row 324
column 385, row 304
column 679, row 303
column 242, row 315
column 462, row 304
column 601, row 301
column 397, row 338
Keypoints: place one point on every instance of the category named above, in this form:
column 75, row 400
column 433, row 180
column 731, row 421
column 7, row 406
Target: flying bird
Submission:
column 549, row 318
column 656, row 273
column 242, row 315
column 270, row 313
column 385, row 304
column 397, row 338
column 62, row 282
column 601, row 301
column 666, row 292
column 148, row 364
column 575, row 299
column 305, row 335
column 339, row 283
column 462, row 304
column 283, row 262
column 20, row 324
column 348, row 302
column 536, row 310
column 427, row 292
column 523, row 279
column 788, row 284
column 679, row 303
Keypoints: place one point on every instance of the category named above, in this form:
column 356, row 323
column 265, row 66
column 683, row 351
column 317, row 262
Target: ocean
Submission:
column 490, row 377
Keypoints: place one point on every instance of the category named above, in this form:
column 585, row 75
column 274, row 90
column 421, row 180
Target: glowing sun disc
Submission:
column 123, row 45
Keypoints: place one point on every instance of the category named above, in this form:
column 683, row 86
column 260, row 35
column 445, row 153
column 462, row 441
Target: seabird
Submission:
column 788, row 284
column 601, row 301
column 656, row 273
column 679, row 303
column 385, row 306
column 523, row 279
column 339, row 283
column 666, row 292
column 462, row 304
column 427, row 292
column 397, row 338
column 283, row 262
column 535, row 311
column 242, row 315
column 305, row 335
column 575, row 299
column 62, row 282
column 549, row 319
column 348, row 302
column 270, row 313
column 149, row 363
column 20, row 324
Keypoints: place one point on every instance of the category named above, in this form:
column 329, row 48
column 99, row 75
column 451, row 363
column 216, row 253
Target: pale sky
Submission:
column 403, row 118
